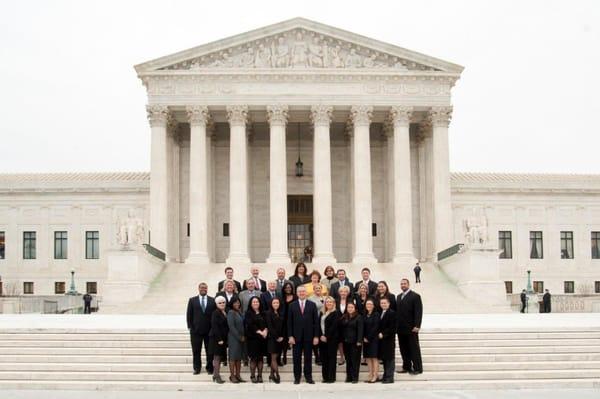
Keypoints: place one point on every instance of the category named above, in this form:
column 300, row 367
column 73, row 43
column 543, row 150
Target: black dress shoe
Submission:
column 310, row 381
column 415, row 372
column 402, row 371
column 296, row 382
column 210, row 372
column 196, row 372
column 387, row 381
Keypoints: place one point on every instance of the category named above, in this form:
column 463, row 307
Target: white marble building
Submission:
column 228, row 122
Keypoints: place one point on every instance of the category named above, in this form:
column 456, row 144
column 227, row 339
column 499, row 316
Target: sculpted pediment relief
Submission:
column 299, row 49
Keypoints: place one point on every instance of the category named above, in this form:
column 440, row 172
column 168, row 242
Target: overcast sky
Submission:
column 527, row 100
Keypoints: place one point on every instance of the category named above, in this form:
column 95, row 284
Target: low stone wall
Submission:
column 565, row 303
column 44, row 304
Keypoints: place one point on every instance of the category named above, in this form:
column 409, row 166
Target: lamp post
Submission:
column 529, row 288
column 72, row 289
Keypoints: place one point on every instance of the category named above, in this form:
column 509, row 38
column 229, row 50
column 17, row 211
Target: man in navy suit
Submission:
column 303, row 331
column 199, row 312
column 267, row 296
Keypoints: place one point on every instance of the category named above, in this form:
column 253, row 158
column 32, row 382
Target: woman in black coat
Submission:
column 351, row 326
column 387, row 340
column 256, row 338
column 360, row 298
column 276, row 337
column 328, row 339
column 383, row 291
column 300, row 276
column 217, row 337
column 288, row 296
column 371, row 339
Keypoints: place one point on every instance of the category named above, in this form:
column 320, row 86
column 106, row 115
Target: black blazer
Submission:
column 391, row 298
column 360, row 304
column 336, row 286
column 372, row 286
column 350, row 299
column 263, row 285
column 297, row 281
column 409, row 312
column 352, row 329
column 387, row 328
column 371, row 327
column 303, row 327
column 265, row 300
column 227, row 302
column 218, row 326
column 275, row 325
column 198, row 322
column 237, row 284
column 332, row 332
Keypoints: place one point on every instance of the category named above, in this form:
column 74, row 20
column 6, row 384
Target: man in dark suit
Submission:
column 366, row 279
column 281, row 280
column 259, row 284
column 228, row 293
column 342, row 282
column 267, row 297
column 303, row 332
column 199, row 313
column 547, row 301
column 409, row 313
column 229, row 276
column 417, row 271
column 523, row 301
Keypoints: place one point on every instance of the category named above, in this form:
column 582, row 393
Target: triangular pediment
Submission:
column 298, row 44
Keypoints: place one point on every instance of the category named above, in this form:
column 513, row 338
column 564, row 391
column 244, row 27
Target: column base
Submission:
column 198, row 258
column 234, row 260
column 323, row 259
column 404, row 259
column 279, row 259
column 364, row 259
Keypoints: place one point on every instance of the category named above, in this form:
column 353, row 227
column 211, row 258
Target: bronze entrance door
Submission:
column 300, row 227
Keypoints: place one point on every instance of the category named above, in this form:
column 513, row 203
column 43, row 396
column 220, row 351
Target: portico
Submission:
column 364, row 116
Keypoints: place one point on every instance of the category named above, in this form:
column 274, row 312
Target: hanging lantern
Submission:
column 299, row 164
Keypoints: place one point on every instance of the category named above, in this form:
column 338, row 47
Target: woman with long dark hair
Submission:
column 351, row 326
column 256, row 338
column 217, row 337
column 300, row 276
column 288, row 297
column 371, row 339
column 383, row 291
column 276, row 338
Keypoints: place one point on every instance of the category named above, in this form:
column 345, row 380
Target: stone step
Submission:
column 187, row 376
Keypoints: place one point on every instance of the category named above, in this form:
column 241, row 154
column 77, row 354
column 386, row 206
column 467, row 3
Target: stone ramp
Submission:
column 170, row 291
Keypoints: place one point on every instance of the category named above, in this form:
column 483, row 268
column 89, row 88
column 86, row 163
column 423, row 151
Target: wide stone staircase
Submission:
column 160, row 359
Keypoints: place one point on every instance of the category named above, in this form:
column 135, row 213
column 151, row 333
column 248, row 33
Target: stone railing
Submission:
column 448, row 252
column 155, row 252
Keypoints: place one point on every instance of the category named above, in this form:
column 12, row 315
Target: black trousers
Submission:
column 523, row 305
column 299, row 349
column 197, row 342
column 418, row 277
column 328, row 352
column 87, row 309
column 352, row 355
column 389, row 367
column 410, row 351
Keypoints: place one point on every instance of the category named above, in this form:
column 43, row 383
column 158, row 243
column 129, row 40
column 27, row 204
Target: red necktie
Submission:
column 302, row 307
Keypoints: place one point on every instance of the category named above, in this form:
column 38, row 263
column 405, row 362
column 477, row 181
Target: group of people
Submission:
column 326, row 316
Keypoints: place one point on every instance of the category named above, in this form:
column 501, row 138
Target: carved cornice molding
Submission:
column 198, row 115
column 440, row 116
column 277, row 114
column 400, row 115
column 158, row 115
column 321, row 115
column 237, row 115
column 360, row 115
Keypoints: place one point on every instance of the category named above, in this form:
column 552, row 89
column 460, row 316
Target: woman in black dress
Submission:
column 217, row 337
column 287, row 293
column 276, row 337
column 328, row 339
column 371, row 339
column 299, row 278
column 383, row 291
column 387, row 340
column 362, row 294
column 256, row 338
column 351, row 326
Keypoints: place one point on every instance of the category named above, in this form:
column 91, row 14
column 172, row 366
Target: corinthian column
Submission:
column 198, row 186
column 238, row 185
column 158, row 116
column 361, row 170
column 322, row 212
column 442, row 205
column 277, row 115
column 403, row 245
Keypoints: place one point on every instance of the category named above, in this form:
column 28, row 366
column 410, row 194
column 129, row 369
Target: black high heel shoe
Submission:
column 218, row 379
column 259, row 379
column 253, row 379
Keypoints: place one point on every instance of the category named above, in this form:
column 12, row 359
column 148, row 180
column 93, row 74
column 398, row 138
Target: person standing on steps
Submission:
column 303, row 333
column 199, row 313
column 409, row 314
column 87, row 303
column 229, row 277
column 218, row 337
column 417, row 271
column 547, row 301
column 523, row 301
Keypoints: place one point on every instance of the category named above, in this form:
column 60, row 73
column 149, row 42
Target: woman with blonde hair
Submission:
column 341, row 302
column 328, row 339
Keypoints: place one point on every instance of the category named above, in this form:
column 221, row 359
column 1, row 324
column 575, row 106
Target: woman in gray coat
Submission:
column 235, row 340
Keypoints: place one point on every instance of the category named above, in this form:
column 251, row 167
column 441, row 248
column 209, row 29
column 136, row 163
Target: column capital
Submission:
column 158, row 115
column 321, row 115
column 400, row 115
column 440, row 116
column 361, row 115
column 197, row 114
column 277, row 114
column 237, row 114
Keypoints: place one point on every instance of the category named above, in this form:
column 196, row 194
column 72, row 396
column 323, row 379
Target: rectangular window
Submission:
column 28, row 287
column 374, row 229
column 569, row 287
column 188, row 229
column 60, row 245
column 92, row 245
column 91, row 287
column 595, row 244
column 596, row 287
column 59, row 287
column 508, row 286
column 566, row 245
column 505, row 244
column 225, row 229
column 538, row 287
column 536, row 244
column 2, row 245
column 29, row 245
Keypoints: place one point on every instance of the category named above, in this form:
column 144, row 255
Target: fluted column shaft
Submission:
column 322, row 197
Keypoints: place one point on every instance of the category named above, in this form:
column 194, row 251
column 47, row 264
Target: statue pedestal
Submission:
column 476, row 272
column 130, row 273
column 533, row 305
